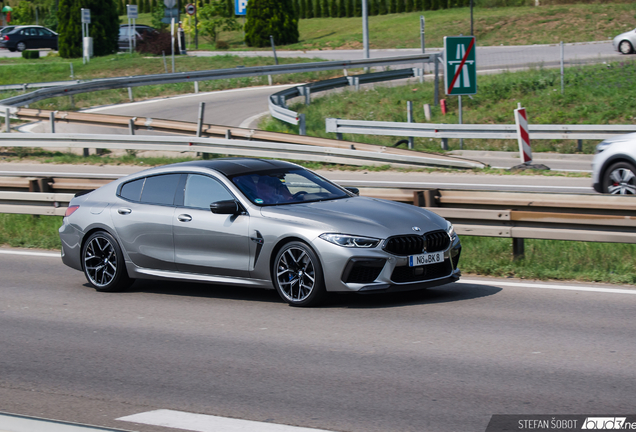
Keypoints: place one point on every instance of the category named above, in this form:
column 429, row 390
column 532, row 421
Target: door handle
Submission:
column 124, row 211
column 184, row 218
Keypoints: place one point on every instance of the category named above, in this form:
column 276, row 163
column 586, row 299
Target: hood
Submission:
column 359, row 216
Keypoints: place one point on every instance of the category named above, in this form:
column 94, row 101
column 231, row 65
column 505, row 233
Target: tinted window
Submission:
column 160, row 189
column 132, row 190
column 201, row 191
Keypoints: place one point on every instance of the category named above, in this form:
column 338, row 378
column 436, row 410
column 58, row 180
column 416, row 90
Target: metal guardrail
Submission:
column 277, row 102
column 474, row 131
column 207, row 75
column 35, row 203
column 48, row 84
column 371, row 155
column 190, row 128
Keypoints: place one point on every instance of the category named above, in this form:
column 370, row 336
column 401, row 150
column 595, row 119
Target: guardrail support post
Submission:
column 427, row 112
column 409, row 119
column 356, row 80
column 7, row 120
column 517, row 248
column 52, row 121
column 131, row 126
column 338, row 136
column 200, row 119
column 302, row 127
column 307, row 95
column 579, row 145
column 130, row 95
column 196, row 87
column 444, row 143
column 228, row 134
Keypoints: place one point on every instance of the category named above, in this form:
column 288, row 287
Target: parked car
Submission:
column 625, row 42
column 139, row 32
column 614, row 166
column 29, row 37
column 258, row 223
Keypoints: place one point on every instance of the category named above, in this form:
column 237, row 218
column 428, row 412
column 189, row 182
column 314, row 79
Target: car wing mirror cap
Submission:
column 353, row 190
column 231, row 207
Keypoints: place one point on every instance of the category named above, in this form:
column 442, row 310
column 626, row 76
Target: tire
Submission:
column 625, row 47
column 103, row 263
column 297, row 275
column 21, row 46
column 620, row 179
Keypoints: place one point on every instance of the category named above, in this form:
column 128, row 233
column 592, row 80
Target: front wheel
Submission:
column 298, row 276
column 625, row 47
column 620, row 179
column 103, row 263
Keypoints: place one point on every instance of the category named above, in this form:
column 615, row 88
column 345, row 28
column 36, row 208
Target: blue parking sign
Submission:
column 240, row 7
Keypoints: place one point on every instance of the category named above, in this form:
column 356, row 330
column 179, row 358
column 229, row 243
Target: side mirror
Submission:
column 230, row 207
column 353, row 190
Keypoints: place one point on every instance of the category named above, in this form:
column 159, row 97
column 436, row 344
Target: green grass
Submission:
column 544, row 259
column 492, row 26
column 596, row 94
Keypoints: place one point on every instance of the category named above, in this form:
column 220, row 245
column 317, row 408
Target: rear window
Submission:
column 160, row 189
column 132, row 190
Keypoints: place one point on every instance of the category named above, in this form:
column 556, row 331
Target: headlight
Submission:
column 350, row 240
column 451, row 231
column 603, row 146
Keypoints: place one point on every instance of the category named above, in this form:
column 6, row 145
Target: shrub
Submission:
column 157, row 44
column 270, row 17
column 222, row 45
column 30, row 54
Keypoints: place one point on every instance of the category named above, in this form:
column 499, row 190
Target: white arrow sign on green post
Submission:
column 460, row 65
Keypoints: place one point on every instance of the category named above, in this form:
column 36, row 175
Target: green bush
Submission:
column 30, row 54
column 270, row 17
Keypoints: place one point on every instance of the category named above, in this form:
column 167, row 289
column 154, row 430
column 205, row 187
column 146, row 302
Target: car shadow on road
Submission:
column 452, row 292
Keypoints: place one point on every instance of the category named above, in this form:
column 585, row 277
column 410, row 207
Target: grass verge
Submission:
column 544, row 259
column 594, row 94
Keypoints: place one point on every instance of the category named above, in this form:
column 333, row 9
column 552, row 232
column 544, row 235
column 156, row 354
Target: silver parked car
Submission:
column 614, row 166
column 259, row 223
column 625, row 42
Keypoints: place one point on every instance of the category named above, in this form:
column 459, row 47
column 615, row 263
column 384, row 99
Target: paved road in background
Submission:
column 440, row 360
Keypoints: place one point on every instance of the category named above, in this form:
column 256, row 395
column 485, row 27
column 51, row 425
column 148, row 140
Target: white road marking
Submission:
column 30, row 253
column 191, row 95
column 546, row 286
column 208, row 423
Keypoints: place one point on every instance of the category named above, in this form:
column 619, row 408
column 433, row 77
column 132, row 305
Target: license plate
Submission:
column 426, row 259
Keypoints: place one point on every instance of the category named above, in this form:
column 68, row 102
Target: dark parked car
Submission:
column 139, row 32
column 29, row 37
column 258, row 223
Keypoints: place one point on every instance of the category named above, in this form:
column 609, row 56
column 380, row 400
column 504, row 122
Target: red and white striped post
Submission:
column 521, row 119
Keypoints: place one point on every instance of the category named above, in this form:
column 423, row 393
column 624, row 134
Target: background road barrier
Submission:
column 207, row 75
column 515, row 215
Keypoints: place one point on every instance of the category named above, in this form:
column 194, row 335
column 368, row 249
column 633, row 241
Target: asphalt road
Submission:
column 445, row 359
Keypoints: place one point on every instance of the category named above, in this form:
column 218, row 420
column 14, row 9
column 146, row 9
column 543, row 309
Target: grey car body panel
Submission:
column 240, row 249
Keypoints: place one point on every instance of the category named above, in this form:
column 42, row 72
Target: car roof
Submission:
column 237, row 166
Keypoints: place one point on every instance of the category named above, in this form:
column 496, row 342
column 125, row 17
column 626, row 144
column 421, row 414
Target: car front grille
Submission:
column 422, row 273
column 414, row 244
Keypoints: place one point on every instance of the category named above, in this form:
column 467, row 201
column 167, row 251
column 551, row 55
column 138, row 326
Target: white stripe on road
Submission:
column 30, row 253
column 545, row 286
column 208, row 423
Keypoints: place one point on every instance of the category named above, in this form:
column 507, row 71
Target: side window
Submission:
column 132, row 190
column 160, row 189
column 201, row 191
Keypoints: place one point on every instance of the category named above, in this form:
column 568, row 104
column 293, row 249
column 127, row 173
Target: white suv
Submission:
column 614, row 166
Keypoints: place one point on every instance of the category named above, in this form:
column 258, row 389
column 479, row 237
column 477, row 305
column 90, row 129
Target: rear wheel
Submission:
column 103, row 263
column 625, row 47
column 298, row 276
column 620, row 179
column 21, row 46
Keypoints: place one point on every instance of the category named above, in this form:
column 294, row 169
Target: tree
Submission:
column 270, row 17
column 309, row 8
column 157, row 15
column 104, row 27
column 342, row 10
column 216, row 17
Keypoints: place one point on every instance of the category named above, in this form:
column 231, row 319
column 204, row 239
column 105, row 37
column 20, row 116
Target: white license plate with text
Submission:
column 426, row 259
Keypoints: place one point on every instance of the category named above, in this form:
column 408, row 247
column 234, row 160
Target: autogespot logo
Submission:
column 607, row 423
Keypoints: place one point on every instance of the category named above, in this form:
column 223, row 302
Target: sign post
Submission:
column 131, row 12
column 87, row 42
column 191, row 9
column 460, row 69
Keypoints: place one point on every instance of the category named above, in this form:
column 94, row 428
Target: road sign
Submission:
column 170, row 3
column 460, row 65
column 521, row 119
column 240, row 7
column 191, row 9
column 131, row 11
column 86, row 16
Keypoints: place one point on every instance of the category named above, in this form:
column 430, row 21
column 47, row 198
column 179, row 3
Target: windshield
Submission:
column 286, row 187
